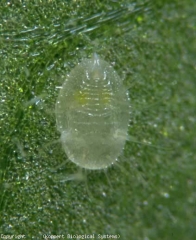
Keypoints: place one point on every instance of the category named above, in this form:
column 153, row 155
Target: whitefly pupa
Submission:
column 92, row 114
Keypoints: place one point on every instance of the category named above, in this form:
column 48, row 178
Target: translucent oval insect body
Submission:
column 92, row 114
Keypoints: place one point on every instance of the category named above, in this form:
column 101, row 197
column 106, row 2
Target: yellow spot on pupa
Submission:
column 81, row 97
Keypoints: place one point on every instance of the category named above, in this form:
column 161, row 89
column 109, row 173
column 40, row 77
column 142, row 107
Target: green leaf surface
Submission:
column 150, row 193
